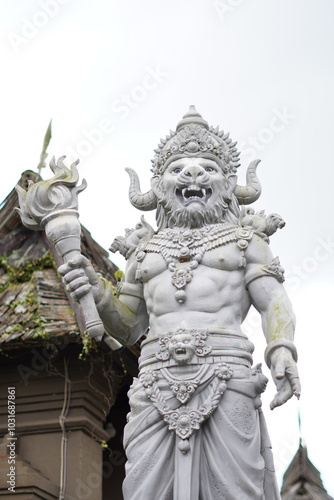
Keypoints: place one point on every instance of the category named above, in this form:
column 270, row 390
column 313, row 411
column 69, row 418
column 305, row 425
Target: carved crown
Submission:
column 193, row 137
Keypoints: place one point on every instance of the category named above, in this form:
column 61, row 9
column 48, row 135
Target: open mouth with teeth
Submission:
column 181, row 351
column 193, row 193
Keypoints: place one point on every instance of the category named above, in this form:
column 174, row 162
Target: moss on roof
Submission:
column 34, row 307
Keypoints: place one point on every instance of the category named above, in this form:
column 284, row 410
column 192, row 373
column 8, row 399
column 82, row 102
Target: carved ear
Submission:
column 230, row 185
column 155, row 185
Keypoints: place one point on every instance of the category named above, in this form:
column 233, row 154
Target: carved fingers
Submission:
column 79, row 277
column 286, row 378
column 77, row 283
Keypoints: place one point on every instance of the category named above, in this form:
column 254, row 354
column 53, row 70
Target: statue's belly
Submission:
column 213, row 297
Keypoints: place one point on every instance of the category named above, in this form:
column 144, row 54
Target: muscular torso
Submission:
column 216, row 296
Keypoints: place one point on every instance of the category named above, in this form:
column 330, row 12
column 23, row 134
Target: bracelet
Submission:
column 272, row 346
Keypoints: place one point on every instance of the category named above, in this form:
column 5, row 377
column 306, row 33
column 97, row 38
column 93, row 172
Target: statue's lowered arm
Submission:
column 264, row 277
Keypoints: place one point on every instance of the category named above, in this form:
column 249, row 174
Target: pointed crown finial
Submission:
column 192, row 116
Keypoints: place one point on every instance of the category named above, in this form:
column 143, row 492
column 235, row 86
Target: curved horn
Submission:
column 142, row 201
column 251, row 192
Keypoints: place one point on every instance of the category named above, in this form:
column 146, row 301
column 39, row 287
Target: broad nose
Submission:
column 193, row 171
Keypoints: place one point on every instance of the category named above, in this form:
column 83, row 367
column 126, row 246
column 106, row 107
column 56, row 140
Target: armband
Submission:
column 256, row 271
column 133, row 289
column 272, row 346
column 274, row 270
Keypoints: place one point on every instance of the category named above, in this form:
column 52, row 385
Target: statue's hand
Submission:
column 285, row 374
column 80, row 277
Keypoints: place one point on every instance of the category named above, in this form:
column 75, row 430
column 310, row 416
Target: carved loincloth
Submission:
column 181, row 445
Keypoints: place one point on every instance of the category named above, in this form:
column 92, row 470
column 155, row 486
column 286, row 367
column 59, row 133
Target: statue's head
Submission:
column 194, row 177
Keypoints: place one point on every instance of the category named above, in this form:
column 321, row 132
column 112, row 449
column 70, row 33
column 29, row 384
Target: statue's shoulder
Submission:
column 253, row 232
column 157, row 241
column 261, row 224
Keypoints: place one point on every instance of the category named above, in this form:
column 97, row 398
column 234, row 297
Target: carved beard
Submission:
column 169, row 216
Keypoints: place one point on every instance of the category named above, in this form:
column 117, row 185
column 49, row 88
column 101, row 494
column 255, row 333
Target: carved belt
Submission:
column 193, row 346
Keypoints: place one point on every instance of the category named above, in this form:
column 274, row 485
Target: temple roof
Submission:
column 302, row 480
column 34, row 305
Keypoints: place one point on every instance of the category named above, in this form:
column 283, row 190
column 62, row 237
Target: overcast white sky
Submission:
column 115, row 76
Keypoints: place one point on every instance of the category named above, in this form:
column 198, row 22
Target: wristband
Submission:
column 272, row 346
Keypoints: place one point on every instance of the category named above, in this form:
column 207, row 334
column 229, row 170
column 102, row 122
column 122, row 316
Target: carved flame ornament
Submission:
column 43, row 200
column 53, row 205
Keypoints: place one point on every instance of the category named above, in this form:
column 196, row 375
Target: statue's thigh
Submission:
column 232, row 467
column 149, row 447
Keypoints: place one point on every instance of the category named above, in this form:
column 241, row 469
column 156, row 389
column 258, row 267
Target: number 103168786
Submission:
column 11, row 411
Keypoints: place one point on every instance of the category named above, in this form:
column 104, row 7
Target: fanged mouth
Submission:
column 181, row 351
column 193, row 193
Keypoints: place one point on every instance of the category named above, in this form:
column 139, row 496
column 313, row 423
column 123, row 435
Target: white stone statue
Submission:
column 196, row 430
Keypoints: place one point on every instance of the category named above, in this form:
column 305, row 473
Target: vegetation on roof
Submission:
column 23, row 274
column 33, row 303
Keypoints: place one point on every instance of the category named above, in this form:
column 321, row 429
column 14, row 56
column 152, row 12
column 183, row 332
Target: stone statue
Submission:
column 196, row 429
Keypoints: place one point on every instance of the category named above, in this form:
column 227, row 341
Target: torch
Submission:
column 53, row 205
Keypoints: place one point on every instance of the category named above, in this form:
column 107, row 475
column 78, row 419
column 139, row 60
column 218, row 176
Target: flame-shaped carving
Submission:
column 49, row 196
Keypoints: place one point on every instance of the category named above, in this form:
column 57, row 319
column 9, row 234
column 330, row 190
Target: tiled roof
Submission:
column 36, row 310
column 302, row 480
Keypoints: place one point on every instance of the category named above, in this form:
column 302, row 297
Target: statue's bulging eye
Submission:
column 177, row 170
column 209, row 169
